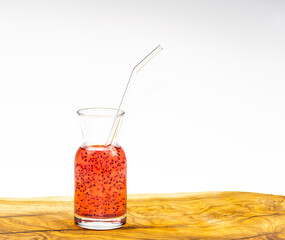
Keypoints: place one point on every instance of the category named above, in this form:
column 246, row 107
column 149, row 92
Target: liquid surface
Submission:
column 100, row 182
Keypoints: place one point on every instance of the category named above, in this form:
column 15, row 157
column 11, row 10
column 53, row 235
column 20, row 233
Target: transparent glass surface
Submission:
column 100, row 171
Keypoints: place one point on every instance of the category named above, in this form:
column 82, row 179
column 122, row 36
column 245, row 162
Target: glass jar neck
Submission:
column 100, row 126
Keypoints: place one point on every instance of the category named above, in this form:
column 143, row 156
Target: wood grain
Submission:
column 212, row 215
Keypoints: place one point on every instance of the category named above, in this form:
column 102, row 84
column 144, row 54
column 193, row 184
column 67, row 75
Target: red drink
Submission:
column 100, row 182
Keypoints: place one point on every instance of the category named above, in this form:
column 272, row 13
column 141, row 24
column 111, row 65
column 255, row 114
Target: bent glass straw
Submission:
column 134, row 72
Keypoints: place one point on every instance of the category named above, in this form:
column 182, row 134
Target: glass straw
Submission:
column 134, row 72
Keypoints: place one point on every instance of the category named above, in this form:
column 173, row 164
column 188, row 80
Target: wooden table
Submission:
column 211, row 215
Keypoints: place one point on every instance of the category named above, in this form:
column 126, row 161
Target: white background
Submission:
column 206, row 114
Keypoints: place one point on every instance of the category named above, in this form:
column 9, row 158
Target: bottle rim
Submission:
column 100, row 112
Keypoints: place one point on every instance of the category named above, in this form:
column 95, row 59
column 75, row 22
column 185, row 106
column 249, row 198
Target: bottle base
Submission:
column 100, row 224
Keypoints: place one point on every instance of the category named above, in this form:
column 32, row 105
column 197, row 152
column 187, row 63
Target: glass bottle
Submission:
column 100, row 175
